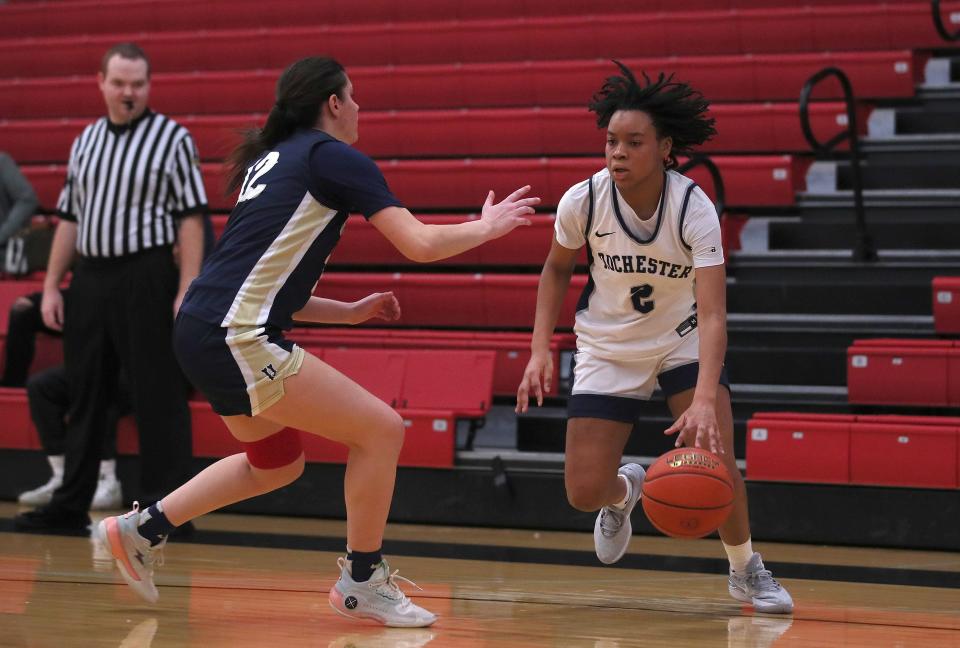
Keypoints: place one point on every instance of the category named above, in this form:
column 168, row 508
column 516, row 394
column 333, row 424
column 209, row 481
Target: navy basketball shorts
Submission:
column 617, row 390
column 240, row 370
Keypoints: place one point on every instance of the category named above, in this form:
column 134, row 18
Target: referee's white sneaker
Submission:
column 612, row 530
column 379, row 598
column 757, row 586
column 133, row 553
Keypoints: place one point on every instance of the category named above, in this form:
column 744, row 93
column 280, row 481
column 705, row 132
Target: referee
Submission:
column 133, row 191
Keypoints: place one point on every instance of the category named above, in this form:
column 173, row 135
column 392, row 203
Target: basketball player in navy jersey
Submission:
column 298, row 179
column 653, row 312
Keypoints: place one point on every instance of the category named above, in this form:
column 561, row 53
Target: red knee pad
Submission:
column 275, row 451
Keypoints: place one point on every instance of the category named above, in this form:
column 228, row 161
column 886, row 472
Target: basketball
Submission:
column 687, row 493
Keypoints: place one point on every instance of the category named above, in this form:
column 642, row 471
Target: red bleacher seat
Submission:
column 907, row 343
column 547, row 37
column 805, row 416
column 889, row 450
column 211, row 438
column 446, row 184
column 909, row 419
column 460, row 381
column 899, row 454
column 473, row 301
column 379, row 371
column 482, row 85
column 805, row 450
column 429, row 439
column 953, row 376
column 137, row 16
column 17, row 431
column 946, row 305
column 906, row 374
column 512, row 350
column 362, row 244
column 455, row 379
column 423, row 133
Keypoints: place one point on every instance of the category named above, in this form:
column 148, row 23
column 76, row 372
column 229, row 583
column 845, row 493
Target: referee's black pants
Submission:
column 120, row 316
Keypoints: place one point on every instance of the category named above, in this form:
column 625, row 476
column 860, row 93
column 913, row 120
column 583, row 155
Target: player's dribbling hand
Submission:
column 378, row 305
column 509, row 213
column 536, row 380
column 698, row 427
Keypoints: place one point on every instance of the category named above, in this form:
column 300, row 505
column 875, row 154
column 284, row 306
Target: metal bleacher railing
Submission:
column 938, row 23
column 863, row 249
column 718, row 188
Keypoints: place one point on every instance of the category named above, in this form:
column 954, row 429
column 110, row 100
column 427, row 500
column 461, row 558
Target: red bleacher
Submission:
column 444, row 80
column 478, row 301
column 508, row 131
column 428, row 440
column 904, row 372
column 445, row 184
column 891, row 73
column 628, row 35
column 917, row 451
column 809, row 450
column 512, row 350
column 946, row 305
column 137, row 16
column 430, row 390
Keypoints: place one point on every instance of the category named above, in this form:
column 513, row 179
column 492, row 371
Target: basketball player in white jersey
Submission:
column 653, row 312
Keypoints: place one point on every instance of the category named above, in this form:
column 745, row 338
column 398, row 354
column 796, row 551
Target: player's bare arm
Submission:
column 554, row 282
column 424, row 243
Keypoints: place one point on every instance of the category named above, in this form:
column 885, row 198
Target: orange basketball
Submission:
column 687, row 493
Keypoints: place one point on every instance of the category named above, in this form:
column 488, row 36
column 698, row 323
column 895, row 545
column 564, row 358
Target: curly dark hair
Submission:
column 676, row 110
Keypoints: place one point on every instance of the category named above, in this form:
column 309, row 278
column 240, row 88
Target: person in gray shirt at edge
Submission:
column 18, row 201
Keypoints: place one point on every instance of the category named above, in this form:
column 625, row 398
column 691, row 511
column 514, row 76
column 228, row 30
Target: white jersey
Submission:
column 639, row 301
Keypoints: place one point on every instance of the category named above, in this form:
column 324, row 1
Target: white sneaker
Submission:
column 379, row 598
column 756, row 585
column 612, row 530
column 133, row 553
column 41, row 495
column 109, row 495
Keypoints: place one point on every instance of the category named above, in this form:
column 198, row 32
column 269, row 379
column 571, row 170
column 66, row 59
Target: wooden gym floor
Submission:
column 262, row 581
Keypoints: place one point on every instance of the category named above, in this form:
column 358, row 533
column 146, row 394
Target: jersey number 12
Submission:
column 250, row 189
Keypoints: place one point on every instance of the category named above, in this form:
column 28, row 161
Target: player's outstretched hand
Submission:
column 698, row 427
column 509, row 213
column 536, row 381
column 378, row 305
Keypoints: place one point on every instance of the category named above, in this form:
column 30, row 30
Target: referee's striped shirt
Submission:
column 127, row 185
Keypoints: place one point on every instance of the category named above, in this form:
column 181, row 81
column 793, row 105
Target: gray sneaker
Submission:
column 756, row 585
column 133, row 553
column 379, row 598
column 612, row 530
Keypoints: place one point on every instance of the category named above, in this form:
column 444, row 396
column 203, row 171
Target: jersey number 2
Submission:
column 250, row 189
column 639, row 295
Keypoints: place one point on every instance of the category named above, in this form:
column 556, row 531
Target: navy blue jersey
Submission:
column 289, row 215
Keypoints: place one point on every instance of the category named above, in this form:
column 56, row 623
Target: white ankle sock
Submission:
column 56, row 465
column 108, row 469
column 739, row 555
column 626, row 498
